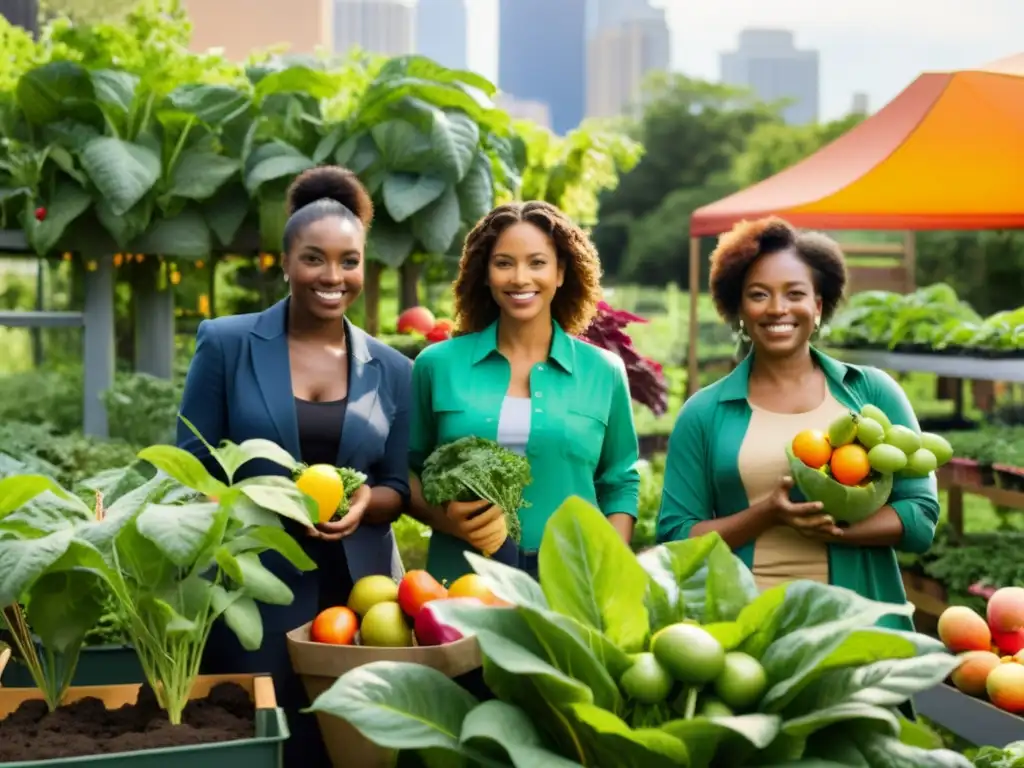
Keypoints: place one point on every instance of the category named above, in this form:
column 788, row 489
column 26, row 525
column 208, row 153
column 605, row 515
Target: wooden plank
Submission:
column 876, row 279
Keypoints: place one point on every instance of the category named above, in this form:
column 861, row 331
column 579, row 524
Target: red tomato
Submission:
column 416, row 589
column 335, row 626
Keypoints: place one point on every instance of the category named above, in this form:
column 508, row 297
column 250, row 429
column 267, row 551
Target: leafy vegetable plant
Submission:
column 560, row 662
column 176, row 553
column 474, row 468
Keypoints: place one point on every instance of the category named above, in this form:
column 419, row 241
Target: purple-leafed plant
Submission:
column 647, row 383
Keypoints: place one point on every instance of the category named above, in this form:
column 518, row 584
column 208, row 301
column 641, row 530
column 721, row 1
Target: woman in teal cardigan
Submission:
column 529, row 281
column 726, row 469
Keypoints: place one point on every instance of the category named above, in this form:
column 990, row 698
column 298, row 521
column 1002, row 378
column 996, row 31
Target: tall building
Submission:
column 768, row 62
column 387, row 27
column 21, row 13
column 241, row 26
column 628, row 41
column 442, row 32
column 542, row 56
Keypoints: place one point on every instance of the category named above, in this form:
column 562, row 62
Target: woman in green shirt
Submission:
column 529, row 281
column 726, row 469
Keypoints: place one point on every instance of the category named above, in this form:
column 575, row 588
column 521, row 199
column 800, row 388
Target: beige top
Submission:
column 781, row 553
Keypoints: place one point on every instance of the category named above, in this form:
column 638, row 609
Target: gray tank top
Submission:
column 514, row 424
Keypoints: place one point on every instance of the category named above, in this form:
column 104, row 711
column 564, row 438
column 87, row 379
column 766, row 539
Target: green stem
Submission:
column 691, row 702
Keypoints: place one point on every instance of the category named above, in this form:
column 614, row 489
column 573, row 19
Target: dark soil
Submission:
column 88, row 728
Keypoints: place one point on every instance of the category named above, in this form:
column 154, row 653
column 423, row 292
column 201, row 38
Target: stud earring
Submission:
column 286, row 278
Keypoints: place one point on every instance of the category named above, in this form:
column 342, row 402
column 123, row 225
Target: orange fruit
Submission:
column 471, row 585
column 850, row 465
column 812, row 448
column 335, row 626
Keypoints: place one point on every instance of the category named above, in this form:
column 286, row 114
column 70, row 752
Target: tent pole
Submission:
column 910, row 259
column 692, row 372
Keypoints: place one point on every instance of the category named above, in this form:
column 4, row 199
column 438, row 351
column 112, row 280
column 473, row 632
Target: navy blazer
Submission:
column 239, row 387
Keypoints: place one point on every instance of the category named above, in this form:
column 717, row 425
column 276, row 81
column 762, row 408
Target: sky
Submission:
column 874, row 46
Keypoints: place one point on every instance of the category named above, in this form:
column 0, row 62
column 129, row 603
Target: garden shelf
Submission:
column 953, row 366
column 974, row 720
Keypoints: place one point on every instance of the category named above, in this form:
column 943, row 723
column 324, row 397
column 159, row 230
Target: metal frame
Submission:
column 972, row 719
column 953, row 366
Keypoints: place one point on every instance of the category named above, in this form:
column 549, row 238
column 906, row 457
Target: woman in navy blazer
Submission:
column 300, row 374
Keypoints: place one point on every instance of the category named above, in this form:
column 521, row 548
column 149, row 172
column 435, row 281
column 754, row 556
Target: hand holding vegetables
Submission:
column 481, row 524
column 347, row 525
column 474, row 469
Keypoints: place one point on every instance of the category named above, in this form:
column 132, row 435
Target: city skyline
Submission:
column 903, row 42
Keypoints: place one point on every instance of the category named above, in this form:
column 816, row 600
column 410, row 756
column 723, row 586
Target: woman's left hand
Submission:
column 350, row 522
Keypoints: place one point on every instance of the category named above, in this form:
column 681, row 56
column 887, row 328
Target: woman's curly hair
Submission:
column 575, row 302
column 739, row 248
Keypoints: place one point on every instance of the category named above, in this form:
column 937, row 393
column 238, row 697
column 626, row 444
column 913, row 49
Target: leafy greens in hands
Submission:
column 476, row 469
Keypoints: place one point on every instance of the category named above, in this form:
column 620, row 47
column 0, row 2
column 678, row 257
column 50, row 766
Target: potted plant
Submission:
column 176, row 554
column 672, row 657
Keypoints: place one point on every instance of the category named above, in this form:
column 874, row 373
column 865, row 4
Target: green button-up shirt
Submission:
column 582, row 438
column 702, row 478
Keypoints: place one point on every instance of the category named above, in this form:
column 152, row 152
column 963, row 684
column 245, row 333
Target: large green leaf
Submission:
column 358, row 153
column 22, row 561
column 809, row 603
column 436, row 226
column 389, row 243
column 416, row 65
column 669, row 566
column 866, row 745
column 508, row 642
column 125, row 227
column 115, row 89
column 298, row 78
column 589, row 573
column 261, row 539
column 212, row 104
column 198, row 174
column 274, row 160
column 408, row 193
column 18, row 490
column 226, row 211
column 260, row 584
column 63, row 607
column 185, row 235
column 399, row 706
column 402, row 146
column 705, row 738
column 513, row 585
column 755, row 626
column 512, row 730
column 730, row 585
column 43, row 92
column 885, row 683
column 455, row 138
column 242, row 616
column 792, row 661
column 180, row 531
column 615, row 745
column 122, row 171
column 476, row 190
column 69, row 201
column 183, row 467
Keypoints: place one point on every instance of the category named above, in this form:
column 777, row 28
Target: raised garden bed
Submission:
column 231, row 720
column 98, row 665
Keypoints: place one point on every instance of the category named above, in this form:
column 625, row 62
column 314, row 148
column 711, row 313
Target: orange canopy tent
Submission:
column 946, row 153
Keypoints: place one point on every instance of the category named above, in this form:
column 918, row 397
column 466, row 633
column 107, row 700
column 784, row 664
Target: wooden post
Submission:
column 692, row 368
column 910, row 259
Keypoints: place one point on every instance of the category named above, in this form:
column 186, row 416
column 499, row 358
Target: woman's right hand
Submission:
column 807, row 517
column 479, row 523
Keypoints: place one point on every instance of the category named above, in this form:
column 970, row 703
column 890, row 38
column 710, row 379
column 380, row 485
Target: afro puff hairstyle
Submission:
column 327, row 190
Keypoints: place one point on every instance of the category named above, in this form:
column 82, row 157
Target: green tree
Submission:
column 692, row 132
column 87, row 11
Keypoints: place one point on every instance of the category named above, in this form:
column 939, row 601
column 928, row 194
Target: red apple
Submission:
column 445, row 324
column 438, row 334
column 416, row 320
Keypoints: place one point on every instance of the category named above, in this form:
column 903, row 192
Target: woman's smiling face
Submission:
column 524, row 272
column 780, row 306
column 325, row 266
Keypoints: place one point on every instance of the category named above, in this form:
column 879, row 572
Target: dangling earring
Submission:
column 817, row 325
column 741, row 331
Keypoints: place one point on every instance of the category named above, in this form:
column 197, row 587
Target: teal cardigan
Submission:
column 702, row 479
